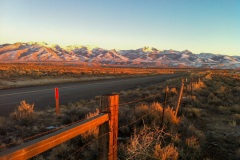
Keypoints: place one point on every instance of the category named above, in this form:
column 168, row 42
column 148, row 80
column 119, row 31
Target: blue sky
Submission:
column 197, row 25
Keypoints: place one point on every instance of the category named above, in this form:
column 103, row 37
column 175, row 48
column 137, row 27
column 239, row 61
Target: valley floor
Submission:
column 207, row 126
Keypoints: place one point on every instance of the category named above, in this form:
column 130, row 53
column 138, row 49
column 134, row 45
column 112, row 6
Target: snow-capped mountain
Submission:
column 143, row 57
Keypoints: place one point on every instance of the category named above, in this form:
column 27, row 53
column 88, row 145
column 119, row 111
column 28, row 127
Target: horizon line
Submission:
column 96, row 46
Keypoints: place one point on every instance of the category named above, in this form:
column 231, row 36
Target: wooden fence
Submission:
column 107, row 121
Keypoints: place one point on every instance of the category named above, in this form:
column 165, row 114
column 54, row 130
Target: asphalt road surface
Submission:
column 43, row 96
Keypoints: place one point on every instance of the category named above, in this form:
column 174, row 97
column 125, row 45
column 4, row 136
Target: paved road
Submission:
column 43, row 96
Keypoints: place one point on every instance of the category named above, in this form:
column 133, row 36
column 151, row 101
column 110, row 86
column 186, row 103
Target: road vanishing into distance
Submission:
column 44, row 96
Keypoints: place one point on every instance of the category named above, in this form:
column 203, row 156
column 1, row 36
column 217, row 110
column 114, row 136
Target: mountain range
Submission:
column 142, row 57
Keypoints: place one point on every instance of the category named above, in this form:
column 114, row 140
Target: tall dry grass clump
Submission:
column 198, row 85
column 94, row 131
column 166, row 153
column 154, row 114
column 24, row 114
column 151, row 140
column 148, row 143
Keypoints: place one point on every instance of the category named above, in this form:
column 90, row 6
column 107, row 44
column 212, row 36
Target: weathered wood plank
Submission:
column 39, row 145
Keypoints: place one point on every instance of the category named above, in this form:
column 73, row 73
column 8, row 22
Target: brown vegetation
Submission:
column 207, row 126
column 21, row 74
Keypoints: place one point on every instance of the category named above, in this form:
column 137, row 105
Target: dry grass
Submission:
column 215, row 112
column 146, row 144
column 94, row 131
column 2, row 121
column 192, row 112
column 208, row 130
column 155, row 112
column 235, row 108
column 236, row 117
column 85, row 109
column 165, row 153
column 24, row 114
column 238, row 153
column 198, row 85
column 18, row 75
column 44, row 81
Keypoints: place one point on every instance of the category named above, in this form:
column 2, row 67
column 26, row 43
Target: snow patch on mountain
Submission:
column 146, row 56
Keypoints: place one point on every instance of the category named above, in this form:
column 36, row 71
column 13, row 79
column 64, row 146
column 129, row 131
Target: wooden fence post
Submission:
column 57, row 101
column 107, row 143
column 186, row 87
column 164, row 106
column 179, row 98
column 191, row 87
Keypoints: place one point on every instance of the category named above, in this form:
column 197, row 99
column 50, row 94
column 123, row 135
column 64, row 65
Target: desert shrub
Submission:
column 235, row 108
column 192, row 142
column 192, row 149
column 214, row 100
column 222, row 93
column 73, row 114
column 154, row 114
column 192, row 131
column 146, row 143
column 208, row 76
column 232, row 123
column 94, row 131
column 165, row 153
column 191, row 112
column 199, row 85
column 3, row 127
column 169, row 116
column 238, row 153
column 144, row 113
column 143, row 110
column 126, row 116
column 202, row 92
column 236, row 91
column 64, row 150
column 223, row 109
column 3, row 121
column 191, row 145
column 61, row 151
column 237, row 117
column 200, row 103
column 172, row 92
column 24, row 114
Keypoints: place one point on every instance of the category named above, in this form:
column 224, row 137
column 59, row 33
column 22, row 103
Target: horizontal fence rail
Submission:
column 39, row 145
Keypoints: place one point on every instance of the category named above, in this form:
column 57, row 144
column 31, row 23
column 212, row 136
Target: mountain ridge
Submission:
column 142, row 57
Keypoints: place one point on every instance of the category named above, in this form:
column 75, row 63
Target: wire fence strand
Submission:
column 86, row 145
column 55, row 129
column 43, row 133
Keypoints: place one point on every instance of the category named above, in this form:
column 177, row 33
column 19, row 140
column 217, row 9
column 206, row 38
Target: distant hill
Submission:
column 142, row 57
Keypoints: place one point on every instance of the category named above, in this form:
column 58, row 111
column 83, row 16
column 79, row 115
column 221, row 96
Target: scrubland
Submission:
column 21, row 74
column 206, row 127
